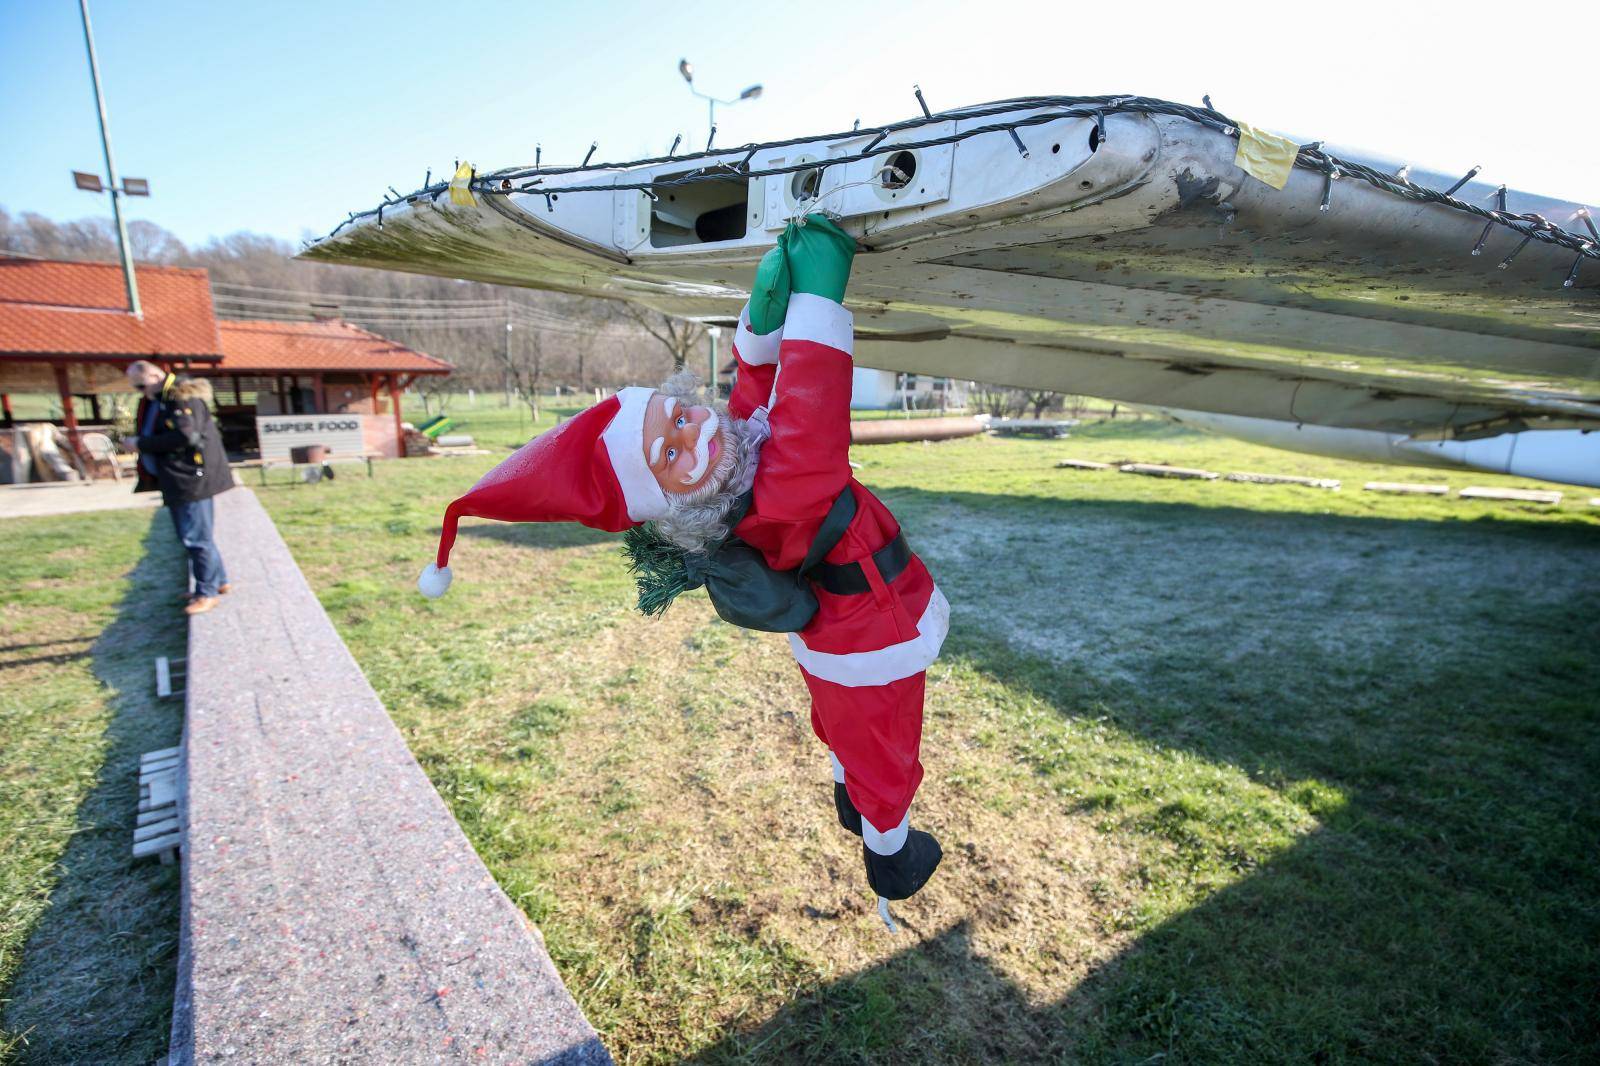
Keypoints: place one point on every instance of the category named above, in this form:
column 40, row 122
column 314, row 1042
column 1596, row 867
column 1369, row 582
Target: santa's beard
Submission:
column 698, row 518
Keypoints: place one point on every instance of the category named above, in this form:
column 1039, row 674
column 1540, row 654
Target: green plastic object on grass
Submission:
column 813, row 258
column 436, row 425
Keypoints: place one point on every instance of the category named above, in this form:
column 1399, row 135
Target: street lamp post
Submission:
column 134, row 186
column 686, row 69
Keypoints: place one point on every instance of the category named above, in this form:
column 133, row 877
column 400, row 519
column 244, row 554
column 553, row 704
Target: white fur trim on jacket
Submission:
column 624, row 439
column 863, row 669
column 757, row 351
column 886, row 843
column 819, row 319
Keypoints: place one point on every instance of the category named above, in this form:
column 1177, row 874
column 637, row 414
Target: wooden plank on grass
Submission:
column 163, row 790
column 1157, row 470
column 1285, row 479
column 158, row 756
column 156, row 814
column 163, row 677
column 1483, row 492
column 156, row 829
column 1082, row 464
column 155, row 846
column 1404, row 488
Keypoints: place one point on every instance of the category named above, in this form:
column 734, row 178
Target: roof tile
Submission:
column 251, row 347
column 49, row 307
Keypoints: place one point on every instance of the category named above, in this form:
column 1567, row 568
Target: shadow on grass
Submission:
column 539, row 534
column 96, row 980
column 1424, row 690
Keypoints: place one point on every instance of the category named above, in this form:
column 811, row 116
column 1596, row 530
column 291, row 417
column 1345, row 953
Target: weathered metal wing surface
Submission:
column 1110, row 247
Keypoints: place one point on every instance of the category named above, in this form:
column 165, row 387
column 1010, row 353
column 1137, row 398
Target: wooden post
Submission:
column 322, row 394
column 94, row 406
column 399, row 434
column 68, row 415
column 5, row 408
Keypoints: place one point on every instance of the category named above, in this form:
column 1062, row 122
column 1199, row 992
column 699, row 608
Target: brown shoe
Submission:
column 200, row 605
column 224, row 588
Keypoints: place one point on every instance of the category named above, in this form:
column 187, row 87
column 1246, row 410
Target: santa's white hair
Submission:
column 699, row 517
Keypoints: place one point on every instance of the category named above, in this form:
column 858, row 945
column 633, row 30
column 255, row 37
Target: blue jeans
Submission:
column 193, row 522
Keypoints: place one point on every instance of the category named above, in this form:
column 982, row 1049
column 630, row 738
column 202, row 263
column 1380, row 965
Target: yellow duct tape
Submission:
column 461, row 191
column 1265, row 156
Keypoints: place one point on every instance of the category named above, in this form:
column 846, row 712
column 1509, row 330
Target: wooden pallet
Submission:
column 156, row 830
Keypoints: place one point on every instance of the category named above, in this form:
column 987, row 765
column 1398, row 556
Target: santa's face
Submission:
column 681, row 443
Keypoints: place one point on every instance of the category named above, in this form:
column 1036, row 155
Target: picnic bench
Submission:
column 263, row 465
column 1032, row 427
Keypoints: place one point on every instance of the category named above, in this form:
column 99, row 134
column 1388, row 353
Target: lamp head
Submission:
column 687, row 70
column 750, row 93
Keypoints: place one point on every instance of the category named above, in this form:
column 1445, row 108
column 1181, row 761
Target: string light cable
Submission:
column 1531, row 227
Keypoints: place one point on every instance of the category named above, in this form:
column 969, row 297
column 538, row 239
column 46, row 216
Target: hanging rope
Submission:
column 1531, row 227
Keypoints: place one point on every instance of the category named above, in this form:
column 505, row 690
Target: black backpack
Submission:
column 743, row 588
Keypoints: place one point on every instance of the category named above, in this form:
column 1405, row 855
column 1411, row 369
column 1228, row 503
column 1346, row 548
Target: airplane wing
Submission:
column 1120, row 247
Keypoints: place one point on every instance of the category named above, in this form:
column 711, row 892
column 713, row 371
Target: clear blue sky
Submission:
column 279, row 117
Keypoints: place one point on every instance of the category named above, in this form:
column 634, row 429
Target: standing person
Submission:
column 180, row 452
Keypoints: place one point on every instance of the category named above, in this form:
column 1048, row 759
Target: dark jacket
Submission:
column 185, row 444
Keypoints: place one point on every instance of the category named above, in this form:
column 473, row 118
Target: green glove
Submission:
column 769, row 299
column 818, row 254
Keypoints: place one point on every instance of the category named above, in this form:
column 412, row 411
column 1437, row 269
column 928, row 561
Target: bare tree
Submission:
column 997, row 401
column 679, row 336
column 522, row 367
column 1041, row 400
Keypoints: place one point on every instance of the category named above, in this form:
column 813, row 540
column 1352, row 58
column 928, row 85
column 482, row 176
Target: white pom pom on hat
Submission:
column 434, row 582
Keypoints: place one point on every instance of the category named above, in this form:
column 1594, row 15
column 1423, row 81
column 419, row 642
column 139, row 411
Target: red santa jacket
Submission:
column 801, row 376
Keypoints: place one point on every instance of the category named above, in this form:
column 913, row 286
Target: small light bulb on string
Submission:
column 1494, row 216
column 1468, row 176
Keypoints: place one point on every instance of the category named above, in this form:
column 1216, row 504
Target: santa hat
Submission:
column 590, row 469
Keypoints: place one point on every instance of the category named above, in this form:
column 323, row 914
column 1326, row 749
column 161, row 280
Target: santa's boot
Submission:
column 900, row 875
column 849, row 817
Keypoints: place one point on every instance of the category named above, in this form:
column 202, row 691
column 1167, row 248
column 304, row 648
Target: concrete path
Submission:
column 70, row 497
column 333, row 911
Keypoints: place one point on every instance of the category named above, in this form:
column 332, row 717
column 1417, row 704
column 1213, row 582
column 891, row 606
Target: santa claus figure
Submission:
column 770, row 474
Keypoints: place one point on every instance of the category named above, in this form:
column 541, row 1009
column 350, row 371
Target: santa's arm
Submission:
column 806, row 462
column 757, row 361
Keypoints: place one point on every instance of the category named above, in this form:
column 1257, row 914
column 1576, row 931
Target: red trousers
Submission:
column 876, row 734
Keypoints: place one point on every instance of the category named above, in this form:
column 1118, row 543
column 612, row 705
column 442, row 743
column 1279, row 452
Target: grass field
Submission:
column 1223, row 772
column 88, row 937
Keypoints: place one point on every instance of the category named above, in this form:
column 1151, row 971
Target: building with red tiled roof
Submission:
column 324, row 367
column 65, row 329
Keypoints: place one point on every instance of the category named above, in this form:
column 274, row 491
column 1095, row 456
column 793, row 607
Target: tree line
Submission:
column 555, row 341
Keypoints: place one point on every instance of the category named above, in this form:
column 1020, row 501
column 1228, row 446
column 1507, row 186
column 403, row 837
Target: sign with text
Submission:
column 340, row 434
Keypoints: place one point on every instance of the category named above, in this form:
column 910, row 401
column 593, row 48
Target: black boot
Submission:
column 849, row 817
column 898, row 876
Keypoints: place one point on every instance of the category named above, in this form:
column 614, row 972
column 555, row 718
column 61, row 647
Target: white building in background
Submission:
column 879, row 389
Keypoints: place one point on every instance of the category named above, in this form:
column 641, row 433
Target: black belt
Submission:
column 848, row 579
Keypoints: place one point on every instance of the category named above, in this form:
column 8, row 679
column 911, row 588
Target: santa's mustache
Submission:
column 702, row 449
